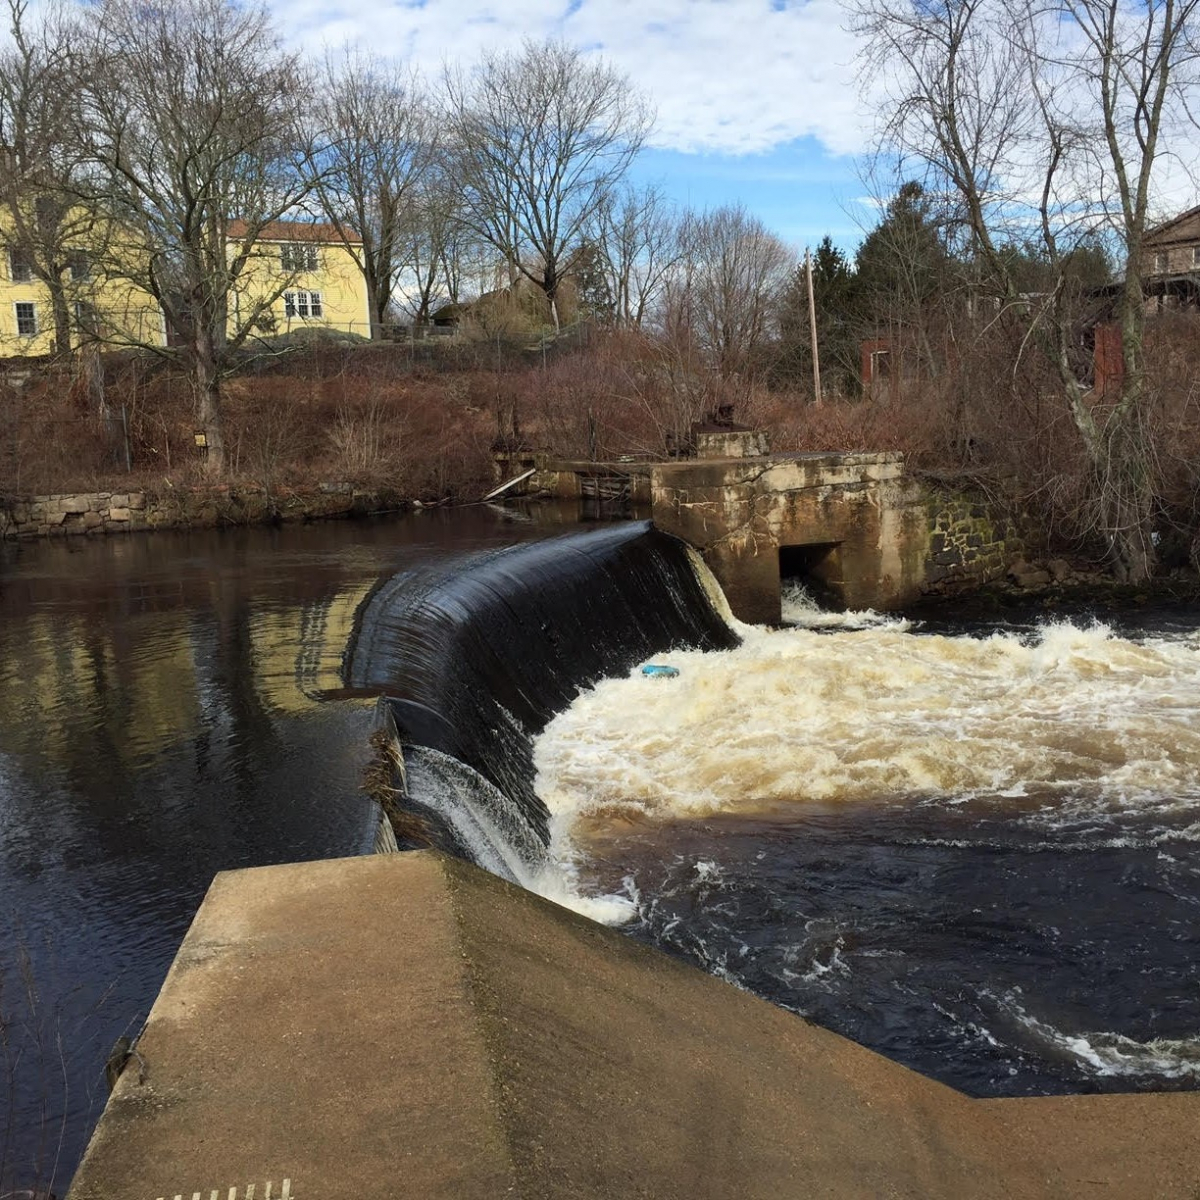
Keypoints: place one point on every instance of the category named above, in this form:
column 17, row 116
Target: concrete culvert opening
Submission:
column 817, row 568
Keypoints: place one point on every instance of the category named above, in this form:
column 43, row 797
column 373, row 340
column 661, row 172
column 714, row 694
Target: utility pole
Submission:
column 812, row 327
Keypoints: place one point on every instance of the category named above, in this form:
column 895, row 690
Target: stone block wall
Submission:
column 971, row 542
column 87, row 512
column 180, row 508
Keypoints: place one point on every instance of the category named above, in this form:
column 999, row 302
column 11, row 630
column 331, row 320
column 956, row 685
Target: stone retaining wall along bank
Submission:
column 972, row 542
column 88, row 512
column 179, row 508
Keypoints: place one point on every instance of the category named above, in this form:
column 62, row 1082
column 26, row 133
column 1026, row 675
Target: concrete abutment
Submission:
column 856, row 526
column 405, row 1025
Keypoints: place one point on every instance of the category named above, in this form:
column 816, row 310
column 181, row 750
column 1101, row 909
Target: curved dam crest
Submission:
column 475, row 658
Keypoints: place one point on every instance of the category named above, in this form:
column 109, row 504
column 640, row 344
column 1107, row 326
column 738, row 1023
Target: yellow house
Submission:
column 316, row 275
column 100, row 307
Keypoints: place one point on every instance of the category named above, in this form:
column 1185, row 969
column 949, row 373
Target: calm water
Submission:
column 170, row 707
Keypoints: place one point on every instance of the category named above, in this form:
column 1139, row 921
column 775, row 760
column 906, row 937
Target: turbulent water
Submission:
column 977, row 854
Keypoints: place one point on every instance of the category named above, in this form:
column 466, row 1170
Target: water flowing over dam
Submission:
column 977, row 854
column 476, row 656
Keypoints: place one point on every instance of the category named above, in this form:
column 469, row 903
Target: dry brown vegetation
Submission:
column 425, row 424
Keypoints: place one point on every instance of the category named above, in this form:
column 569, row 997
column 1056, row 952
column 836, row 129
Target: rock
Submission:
column 118, row 514
column 1060, row 569
column 118, row 500
column 1032, row 578
column 75, row 504
column 137, row 500
column 92, row 520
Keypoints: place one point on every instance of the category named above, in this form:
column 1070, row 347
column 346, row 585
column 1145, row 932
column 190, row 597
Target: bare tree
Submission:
column 191, row 126
column 1051, row 117
column 381, row 145
column 538, row 139
column 48, row 233
column 437, row 247
column 727, row 286
column 637, row 234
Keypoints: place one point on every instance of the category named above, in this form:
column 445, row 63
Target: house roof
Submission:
column 295, row 231
column 1160, row 232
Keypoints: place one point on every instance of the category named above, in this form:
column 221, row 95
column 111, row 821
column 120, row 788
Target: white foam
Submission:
column 1113, row 1054
column 800, row 608
column 1074, row 716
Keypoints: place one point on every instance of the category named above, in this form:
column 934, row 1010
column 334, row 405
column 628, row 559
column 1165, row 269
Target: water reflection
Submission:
column 171, row 705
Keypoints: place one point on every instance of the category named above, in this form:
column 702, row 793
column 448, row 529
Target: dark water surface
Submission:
column 171, row 706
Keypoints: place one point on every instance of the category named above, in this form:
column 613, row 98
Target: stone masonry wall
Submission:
column 971, row 542
column 89, row 512
column 123, row 512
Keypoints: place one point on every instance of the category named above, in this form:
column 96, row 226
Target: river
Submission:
column 971, row 846
column 171, row 705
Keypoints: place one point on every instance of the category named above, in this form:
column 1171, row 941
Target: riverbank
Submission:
column 65, row 514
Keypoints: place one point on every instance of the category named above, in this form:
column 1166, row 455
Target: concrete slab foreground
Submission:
column 409, row 1026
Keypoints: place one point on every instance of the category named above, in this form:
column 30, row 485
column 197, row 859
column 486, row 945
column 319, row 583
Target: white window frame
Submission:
column 80, row 264
column 303, row 306
column 33, row 314
column 299, row 256
column 15, row 256
column 1196, row 256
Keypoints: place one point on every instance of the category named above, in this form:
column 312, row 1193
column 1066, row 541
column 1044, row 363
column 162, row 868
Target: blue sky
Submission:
column 798, row 189
column 756, row 100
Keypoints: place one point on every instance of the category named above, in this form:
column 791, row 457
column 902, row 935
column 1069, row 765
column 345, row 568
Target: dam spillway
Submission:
column 474, row 658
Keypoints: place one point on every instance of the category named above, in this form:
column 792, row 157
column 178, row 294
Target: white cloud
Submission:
column 726, row 76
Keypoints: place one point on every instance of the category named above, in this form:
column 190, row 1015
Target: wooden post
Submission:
column 812, row 328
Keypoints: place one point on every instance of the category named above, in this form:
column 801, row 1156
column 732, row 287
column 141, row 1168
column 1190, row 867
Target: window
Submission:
column 20, row 265
column 1196, row 256
column 27, row 322
column 1161, row 261
column 80, row 264
column 302, row 304
column 87, row 320
column 298, row 256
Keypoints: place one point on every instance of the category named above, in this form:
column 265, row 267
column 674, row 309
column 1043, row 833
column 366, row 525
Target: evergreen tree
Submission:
column 836, row 300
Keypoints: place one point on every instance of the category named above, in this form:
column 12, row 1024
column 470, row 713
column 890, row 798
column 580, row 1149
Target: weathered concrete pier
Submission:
column 854, row 525
column 405, row 1026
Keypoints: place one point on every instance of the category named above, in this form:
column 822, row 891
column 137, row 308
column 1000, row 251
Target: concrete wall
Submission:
column 407, row 1027
column 739, row 513
column 857, row 526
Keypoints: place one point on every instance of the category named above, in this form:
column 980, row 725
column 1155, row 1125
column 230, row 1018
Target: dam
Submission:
column 885, row 828
column 858, row 528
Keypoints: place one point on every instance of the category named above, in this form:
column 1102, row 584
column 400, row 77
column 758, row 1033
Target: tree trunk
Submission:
column 1128, row 476
column 62, row 317
column 377, row 307
column 550, row 282
column 208, row 404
